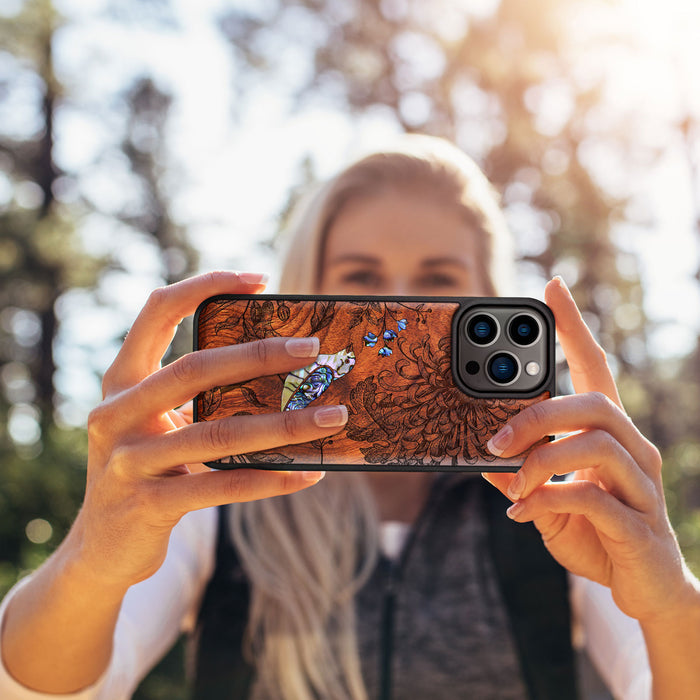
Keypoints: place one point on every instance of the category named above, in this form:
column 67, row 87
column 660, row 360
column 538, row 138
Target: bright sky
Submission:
column 232, row 178
column 657, row 81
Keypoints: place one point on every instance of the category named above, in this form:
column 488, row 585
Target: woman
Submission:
column 419, row 221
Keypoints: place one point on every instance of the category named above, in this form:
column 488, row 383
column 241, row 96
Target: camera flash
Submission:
column 532, row 368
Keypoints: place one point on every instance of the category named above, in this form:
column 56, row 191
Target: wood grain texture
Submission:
column 388, row 362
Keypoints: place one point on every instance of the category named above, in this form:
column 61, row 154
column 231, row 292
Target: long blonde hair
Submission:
column 307, row 554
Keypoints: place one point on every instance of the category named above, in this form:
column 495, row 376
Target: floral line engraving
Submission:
column 404, row 407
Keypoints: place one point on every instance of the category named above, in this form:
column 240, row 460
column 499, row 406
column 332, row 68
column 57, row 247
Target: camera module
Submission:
column 482, row 329
column 524, row 330
column 504, row 347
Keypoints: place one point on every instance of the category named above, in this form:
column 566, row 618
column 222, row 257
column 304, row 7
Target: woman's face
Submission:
column 400, row 243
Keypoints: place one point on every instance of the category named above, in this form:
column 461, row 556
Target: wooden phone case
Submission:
column 389, row 361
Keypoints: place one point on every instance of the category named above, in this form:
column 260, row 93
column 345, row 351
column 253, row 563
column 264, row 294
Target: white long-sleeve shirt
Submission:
column 156, row 611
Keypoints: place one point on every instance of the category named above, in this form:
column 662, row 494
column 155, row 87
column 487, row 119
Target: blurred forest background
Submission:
column 585, row 115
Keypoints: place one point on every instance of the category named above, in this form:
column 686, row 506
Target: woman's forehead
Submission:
column 397, row 223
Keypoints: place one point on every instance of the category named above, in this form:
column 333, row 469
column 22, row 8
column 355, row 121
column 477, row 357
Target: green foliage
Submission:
column 484, row 78
column 167, row 680
column 43, row 481
column 42, row 259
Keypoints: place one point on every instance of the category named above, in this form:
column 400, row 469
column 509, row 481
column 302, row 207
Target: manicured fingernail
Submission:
column 500, row 442
column 516, row 486
column 331, row 416
column 303, row 347
column 313, row 477
column 253, row 277
column 515, row 510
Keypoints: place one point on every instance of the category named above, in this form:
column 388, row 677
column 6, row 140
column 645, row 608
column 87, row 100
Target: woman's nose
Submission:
column 397, row 287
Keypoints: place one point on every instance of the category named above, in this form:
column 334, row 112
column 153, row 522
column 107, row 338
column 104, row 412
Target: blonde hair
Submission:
column 307, row 554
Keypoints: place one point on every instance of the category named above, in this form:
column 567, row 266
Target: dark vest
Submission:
column 533, row 591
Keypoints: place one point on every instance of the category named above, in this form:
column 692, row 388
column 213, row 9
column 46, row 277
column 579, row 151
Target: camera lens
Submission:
column 503, row 368
column 524, row 330
column 482, row 329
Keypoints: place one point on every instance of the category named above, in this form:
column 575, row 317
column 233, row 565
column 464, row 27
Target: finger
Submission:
column 187, row 411
column 501, row 480
column 585, row 557
column 587, row 361
column 214, row 440
column 214, row 488
column 180, row 418
column 594, row 449
column 184, row 378
column 567, row 414
column 183, row 415
column 153, row 330
column 608, row 515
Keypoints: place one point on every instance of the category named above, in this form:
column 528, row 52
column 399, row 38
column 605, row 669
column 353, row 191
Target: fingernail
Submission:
column 515, row 510
column 331, row 416
column 516, row 486
column 253, row 277
column 500, row 442
column 303, row 347
column 313, row 477
column 560, row 281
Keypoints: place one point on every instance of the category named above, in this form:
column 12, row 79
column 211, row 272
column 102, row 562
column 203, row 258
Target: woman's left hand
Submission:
column 609, row 523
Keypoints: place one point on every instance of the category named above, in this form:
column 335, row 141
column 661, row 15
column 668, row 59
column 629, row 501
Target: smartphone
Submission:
column 427, row 381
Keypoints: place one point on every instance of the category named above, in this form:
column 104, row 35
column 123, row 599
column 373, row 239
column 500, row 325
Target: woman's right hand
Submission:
column 145, row 466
